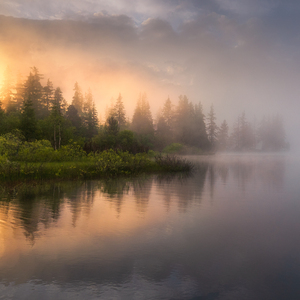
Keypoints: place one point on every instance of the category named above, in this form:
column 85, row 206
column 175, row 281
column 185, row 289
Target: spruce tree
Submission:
column 119, row 112
column 33, row 91
column 77, row 100
column 212, row 127
column 48, row 95
column 142, row 122
column 57, row 118
column 90, row 116
column 223, row 136
column 28, row 123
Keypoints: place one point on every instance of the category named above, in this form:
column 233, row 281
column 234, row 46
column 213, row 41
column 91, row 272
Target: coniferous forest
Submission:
column 38, row 124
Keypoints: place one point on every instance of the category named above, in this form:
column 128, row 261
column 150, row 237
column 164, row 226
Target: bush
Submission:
column 35, row 151
column 174, row 148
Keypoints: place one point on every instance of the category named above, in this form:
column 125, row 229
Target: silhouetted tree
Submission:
column 19, row 94
column 223, row 136
column 33, row 91
column 90, row 116
column 212, row 127
column 57, row 118
column 243, row 137
column 189, row 124
column 48, row 95
column 165, row 122
column 77, row 100
column 28, row 123
column 142, row 122
column 112, row 126
column 73, row 116
column 119, row 112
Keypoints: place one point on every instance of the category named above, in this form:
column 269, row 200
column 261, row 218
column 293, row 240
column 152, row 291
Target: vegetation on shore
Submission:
column 38, row 160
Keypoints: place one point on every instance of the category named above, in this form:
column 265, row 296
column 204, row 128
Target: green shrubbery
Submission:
column 21, row 160
column 174, row 148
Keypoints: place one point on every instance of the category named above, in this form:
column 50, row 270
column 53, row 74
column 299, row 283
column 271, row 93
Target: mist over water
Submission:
column 227, row 232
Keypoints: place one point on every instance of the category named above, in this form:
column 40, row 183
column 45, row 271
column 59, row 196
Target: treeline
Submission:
column 33, row 111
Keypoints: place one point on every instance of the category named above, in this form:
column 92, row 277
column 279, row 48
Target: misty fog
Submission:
column 219, row 56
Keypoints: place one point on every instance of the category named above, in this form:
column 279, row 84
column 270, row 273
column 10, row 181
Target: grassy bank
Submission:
column 105, row 164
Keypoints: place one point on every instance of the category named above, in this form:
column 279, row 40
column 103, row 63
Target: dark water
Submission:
column 231, row 231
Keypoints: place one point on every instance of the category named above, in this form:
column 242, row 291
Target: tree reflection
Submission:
column 38, row 206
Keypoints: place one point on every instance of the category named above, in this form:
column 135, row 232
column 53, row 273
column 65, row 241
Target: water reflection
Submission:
column 155, row 237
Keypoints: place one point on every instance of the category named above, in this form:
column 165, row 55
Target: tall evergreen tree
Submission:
column 19, row 93
column 90, row 115
column 57, row 118
column 28, row 123
column 33, row 91
column 200, row 128
column 142, row 122
column 48, row 95
column 223, row 136
column 168, row 113
column 212, row 127
column 78, row 100
column 73, row 116
column 165, row 122
column 189, row 124
column 119, row 112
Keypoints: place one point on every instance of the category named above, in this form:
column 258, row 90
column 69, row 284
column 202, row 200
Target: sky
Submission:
column 239, row 55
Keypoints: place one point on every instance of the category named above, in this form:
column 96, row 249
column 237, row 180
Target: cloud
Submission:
column 248, row 7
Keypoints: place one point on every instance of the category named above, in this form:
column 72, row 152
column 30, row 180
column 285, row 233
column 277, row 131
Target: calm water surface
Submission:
column 230, row 231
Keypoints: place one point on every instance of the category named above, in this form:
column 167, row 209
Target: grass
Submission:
column 102, row 165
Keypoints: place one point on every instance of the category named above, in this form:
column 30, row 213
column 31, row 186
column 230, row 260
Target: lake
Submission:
column 229, row 231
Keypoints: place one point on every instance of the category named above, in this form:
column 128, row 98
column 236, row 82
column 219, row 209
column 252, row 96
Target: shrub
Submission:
column 174, row 148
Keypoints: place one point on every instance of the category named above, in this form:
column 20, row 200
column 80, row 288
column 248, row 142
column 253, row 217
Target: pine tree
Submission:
column 77, row 100
column 48, row 95
column 222, row 137
column 165, row 121
column 57, row 118
column 189, row 124
column 183, row 120
column 168, row 113
column 28, row 123
column 19, row 94
column 90, row 115
column 199, row 128
column 119, row 112
column 142, row 122
column 212, row 127
column 73, row 116
column 33, row 91
column 112, row 126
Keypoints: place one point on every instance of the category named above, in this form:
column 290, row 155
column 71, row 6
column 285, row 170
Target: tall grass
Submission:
column 105, row 164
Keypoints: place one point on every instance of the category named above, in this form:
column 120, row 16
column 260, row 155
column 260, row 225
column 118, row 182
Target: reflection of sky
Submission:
column 231, row 230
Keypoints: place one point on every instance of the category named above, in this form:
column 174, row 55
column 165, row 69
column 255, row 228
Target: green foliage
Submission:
column 114, row 163
column 38, row 151
column 10, row 145
column 174, row 148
